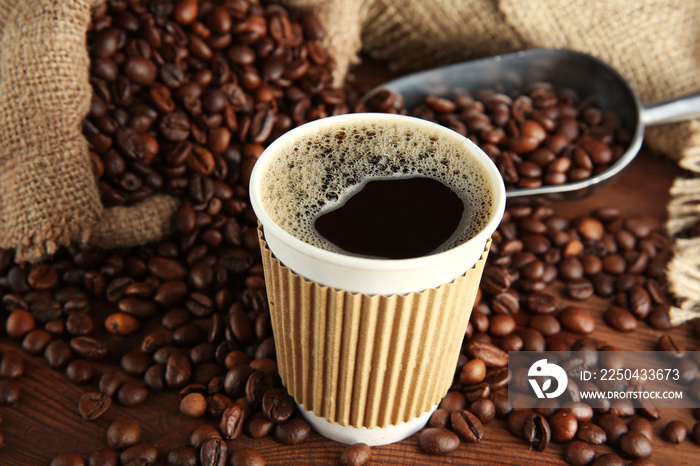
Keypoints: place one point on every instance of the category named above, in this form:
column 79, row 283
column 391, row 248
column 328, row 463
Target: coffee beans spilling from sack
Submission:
column 544, row 136
column 187, row 94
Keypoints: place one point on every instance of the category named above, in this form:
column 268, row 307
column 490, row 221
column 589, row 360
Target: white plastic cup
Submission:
column 319, row 297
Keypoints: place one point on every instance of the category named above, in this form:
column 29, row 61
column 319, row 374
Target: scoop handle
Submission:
column 683, row 108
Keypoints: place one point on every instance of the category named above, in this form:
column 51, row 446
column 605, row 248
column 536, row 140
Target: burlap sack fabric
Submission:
column 48, row 192
column 654, row 43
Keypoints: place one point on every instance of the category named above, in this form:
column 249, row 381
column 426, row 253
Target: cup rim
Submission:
column 358, row 262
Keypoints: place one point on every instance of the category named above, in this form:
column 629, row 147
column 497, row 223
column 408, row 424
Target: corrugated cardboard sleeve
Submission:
column 367, row 361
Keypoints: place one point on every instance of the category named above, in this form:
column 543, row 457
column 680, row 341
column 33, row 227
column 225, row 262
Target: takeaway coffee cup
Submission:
column 367, row 345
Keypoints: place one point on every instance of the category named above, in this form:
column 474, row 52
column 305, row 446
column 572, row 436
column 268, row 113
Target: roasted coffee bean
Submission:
column 58, row 353
column 536, row 431
column 193, row 405
column 79, row 323
column 249, row 457
column 696, row 432
column 232, row 420
column 93, row 405
column 256, row 386
column 123, row 433
column 258, row 425
column 35, row 341
column 675, row 432
column 9, row 392
column 110, row 382
column 467, row 426
column 437, row 441
column 357, row 454
column 88, row 347
column 639, row 301
column 620, row 319
column 132, row 394
column 484, row 409
column 577, row 453
column 613, row 426
column 546, row 324
column 121, row 323
column 491, row 355
column 501, row 325
column 511, row 342
column 541, row 303
column 142, row 453
column 505, row 303
column 581, row 411
column 80, row 371
column 453, row 401
column 658, row 318
column 183, row 456
column 178, row 370
column 103, row 456
column 43, row 277
column 11, row 364
column 277, row 404
column 498, row 378
column 138, row 307
column 532, row 340
column 67, row 459
column 293, row 431
column 643, row 426
column 203, row 433
column 610, row 459
column 636, row 445
column 439, row 418
column 235, row 380
column 576, row 320
column 19, row 323
column 669, row 344
column 563, row 426
column 591, row 433
column 167, row 269
column 580, row 289
column 516, row 421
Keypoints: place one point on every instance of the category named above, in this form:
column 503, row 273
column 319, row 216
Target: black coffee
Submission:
column 318, row 170
column 394, row 218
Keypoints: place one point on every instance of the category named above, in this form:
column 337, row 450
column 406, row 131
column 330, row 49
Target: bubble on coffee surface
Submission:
column 323, row 168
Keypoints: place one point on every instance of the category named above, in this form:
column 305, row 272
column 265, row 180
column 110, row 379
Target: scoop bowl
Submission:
column 589, row 76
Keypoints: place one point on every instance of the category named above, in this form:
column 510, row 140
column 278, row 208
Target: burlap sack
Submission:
column 48, row 192
column 654, row 43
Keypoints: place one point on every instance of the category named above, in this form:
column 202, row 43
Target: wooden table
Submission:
column 45, row 422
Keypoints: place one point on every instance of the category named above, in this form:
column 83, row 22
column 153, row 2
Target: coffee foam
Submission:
column 320, row 169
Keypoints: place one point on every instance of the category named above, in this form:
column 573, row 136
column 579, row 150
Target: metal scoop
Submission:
column 590, row 77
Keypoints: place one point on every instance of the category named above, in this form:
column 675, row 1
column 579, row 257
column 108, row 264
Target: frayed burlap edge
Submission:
column 684, row 216
column 134, row 225
column 342, row 39
column 48, row 193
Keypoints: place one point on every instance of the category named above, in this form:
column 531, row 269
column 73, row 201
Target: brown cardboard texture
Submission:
column 367, row 360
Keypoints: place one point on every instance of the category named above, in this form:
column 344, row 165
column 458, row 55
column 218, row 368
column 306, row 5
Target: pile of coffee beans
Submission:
column 187, row 93
column 544, row 136
column 604, row 253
